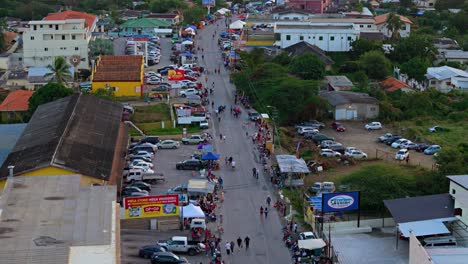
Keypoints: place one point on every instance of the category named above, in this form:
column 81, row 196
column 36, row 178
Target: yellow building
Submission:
column 123, row 74
column 79, row 134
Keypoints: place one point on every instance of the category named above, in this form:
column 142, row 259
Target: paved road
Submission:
column 244, row 195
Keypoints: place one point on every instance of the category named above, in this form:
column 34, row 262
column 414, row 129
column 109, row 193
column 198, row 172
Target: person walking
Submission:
column 261, row 211
column 268, row 200
column 232, row 247
column 228, row 248
column 266, row 212
column 254, row 172
column 220, row 182
column 247, row 242
column 239, row 242
column 295, row 227
column 220, row 136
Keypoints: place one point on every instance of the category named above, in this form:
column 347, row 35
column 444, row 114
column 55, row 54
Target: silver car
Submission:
column 168, row 144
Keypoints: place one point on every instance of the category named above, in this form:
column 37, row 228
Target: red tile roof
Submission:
column 118, row 68
column 391, row 84
column 16, row 101
column 70, row 14
column 383, row 18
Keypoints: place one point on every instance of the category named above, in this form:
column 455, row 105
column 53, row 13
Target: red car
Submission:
column 338, row 127
column 190, row 78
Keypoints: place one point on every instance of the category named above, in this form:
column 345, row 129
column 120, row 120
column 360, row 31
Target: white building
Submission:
column 291, row 15
column 381, row 23
column 326, row 36
column 446, row 78
column 64, row 34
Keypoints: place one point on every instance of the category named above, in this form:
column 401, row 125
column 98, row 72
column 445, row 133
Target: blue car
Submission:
column 148, row 251
column 432, row 149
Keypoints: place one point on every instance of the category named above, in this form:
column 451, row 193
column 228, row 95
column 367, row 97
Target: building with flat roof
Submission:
column 53, row 219
column 349, row 105
column 79, row 134
column 64, row 34
column 123, row 74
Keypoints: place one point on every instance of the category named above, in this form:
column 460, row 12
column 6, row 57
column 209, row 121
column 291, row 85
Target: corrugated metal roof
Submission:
column 146, row 22
column 444, row 72
column 336, row 98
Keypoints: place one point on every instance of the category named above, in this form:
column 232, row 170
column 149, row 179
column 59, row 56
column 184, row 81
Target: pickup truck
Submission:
column 193, row 139
column 181, row 244
column 139, row 175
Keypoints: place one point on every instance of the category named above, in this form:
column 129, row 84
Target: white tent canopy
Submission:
column 237, row 25
column 187, row 42
column 311, row 244
column 223, row 11
column 291, row 164
column 192, row 211
column 426, row 227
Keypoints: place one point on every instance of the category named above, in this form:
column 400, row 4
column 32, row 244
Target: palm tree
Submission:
column 394, row 25
column 60, row 70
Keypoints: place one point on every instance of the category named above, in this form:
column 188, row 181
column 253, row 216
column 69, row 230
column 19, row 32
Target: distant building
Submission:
column 17, row 79
column 350, row 105
column 392, row 85
column 381, row 23
column 446, row 43
column 79, row 134
column 446, row 78
column 123, row 74
column 426, row 3
column 52, row 219
column 314, row 6
column 326, row 36
column 15, row 106
column 64, row 34
column 338, row 83
column 453, row 55
column 172, row 18
column 291, row 14
column 304, row 47
column 145, row 26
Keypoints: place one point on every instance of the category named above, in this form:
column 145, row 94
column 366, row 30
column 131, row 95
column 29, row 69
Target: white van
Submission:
column 439, row 241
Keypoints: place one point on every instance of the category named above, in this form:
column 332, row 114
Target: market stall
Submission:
column 291, row 170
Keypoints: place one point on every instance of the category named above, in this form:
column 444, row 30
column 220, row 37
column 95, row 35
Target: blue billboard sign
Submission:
column 339, row 202
column 210, row 3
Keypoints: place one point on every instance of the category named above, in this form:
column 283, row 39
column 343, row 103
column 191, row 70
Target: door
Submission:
column 340, row 114
column 351, row 114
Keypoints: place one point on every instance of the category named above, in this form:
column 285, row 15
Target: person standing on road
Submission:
column 268, row 200
column 220, row 136
column 228, row 248
column 295, row 227
column 232, row 247
column 254, row 172
column 266, row 212
column 261, row 211
column 220, row 182
column 239, row 242
column 247, row 242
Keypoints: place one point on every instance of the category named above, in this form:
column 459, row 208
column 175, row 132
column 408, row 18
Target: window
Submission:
column 369, row 26
column 332, row 38
column 320, row 38
column 32, row 37
column 63, row 37
column 361, row 26
column 454, row 191
column 76, row 48
column 56, row 27
column 301, row 37
column 433, row 82
column 288, row 37
column 40, row 26
column 50, row 26
column 73, row 37
column 372, row 109
column 34, row 27
column 349, row 39
column 46, row 49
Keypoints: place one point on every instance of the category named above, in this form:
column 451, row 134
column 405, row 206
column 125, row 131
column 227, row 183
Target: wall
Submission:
column 417, row 253
column 455, row 191
column 17, row 82
column 85, row 180
column 123, row 88
column 349, row 227
column 326, row 39
column 442, row 85
column 364, row 111
column 290, row 16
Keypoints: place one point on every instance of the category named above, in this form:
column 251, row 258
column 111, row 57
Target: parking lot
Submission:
column 356, row 136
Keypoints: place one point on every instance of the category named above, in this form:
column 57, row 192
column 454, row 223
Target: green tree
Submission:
column 416, row 68
column 446, row 4
column 375, row 64
column 394, row 25
column 100, row 47
column 362, row 45
column 282, row 59
column 460, row 21
column 163, row 6
column 308, row 67
column 405, row 3
column 413, row 46
column 453, row 160
column 47, row 93
column 2, row 36
column 194, row 14
column 104, row 93
column 60, row 70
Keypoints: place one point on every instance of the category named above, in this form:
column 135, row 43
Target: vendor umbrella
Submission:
column 210, row 156
column 187, row 42
column 200, row 146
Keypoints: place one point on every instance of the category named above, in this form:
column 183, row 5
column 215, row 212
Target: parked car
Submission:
column 384, row 137
column 146, row 159
column 356, row 153
column 306, row 235
column 309, row 135
column 141, row 165
column 148, row 149
column 421, row 147
column 337, row 126
column 151, row 139
column 193, row 139
column 153, row 81
column 204, row 125
column 141, row 185
column 148, row 251
column 409, row 145
column 317, row 138
column 190, row 165
column 303, row 130
column 166, row 68
column 337, row 147
column 188, row 84
column 253, row 116
column 436, row 129
column 140, row 154
column 167, row 258
column 190, row 78
column 350, row 149
column 131, row 193
column 181, row 188
column 392, row 139
column 311, row 123
column 326, row 143
column 181, row 244
column 190, row 91
column 329, row 153
column 373, row 126
column 402, row 154
column 398, row 142
column 168, row 144
column 432, row 149
column 137, row 162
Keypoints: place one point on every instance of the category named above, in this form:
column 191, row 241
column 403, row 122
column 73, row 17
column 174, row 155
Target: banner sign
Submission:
column 339, row 202
column 210, row 3
column 176, row 75
column 151, row 206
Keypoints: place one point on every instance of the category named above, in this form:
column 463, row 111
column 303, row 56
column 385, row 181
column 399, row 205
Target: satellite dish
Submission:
column 75, row 60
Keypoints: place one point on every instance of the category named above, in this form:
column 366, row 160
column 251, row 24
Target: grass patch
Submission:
column 151, row 113
column 418, row 130
column 154, row 129
column 382, row 181
column 295, row 196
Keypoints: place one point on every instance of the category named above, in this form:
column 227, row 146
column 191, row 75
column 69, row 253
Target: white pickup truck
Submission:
column 181, row 244
column 133, row 175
